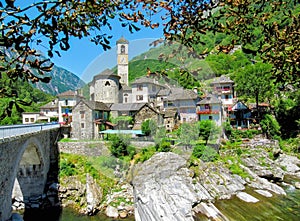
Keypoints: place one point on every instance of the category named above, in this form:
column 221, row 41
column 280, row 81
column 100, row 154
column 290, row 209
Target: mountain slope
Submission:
column 62, row 80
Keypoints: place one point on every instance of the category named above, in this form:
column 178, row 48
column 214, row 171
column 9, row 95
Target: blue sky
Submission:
column 86, row 59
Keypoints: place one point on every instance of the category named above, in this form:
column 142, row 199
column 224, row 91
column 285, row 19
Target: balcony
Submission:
column 208, row 111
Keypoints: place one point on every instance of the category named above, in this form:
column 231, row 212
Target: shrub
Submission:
column 270, row 126
column 67, row 168
column 120, row 147
column 145, row 154
column 205, row 153
column 164, row 146
column 149, row 127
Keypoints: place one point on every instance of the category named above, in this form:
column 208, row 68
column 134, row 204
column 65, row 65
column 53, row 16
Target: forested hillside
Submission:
column 20, row 97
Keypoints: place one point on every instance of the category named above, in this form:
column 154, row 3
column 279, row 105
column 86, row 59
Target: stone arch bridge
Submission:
column 27, row 155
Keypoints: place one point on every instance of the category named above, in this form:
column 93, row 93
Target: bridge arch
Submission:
column 27, row 152
column 30, row 171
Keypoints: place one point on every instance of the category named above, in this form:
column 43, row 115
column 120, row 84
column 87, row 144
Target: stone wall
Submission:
column 92, row 148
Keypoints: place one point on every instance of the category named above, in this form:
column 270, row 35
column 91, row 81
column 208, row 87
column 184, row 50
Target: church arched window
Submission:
column 122, row 49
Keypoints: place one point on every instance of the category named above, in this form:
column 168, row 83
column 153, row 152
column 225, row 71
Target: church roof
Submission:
column 106, row 73
column 122, row 40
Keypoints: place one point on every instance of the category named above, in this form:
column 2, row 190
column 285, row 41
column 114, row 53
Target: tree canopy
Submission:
column 268, row 29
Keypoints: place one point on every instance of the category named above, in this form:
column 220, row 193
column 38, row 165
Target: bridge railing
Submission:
column 17, row 130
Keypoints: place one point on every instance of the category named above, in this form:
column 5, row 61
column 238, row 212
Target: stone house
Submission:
column 89, row 119
column 170, row 119
column 125, row 109
column 182, row 100
column 145, row 89
column 144, row 113
column 210, row 108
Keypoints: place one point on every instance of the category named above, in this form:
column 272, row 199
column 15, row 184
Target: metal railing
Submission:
column 20, row 129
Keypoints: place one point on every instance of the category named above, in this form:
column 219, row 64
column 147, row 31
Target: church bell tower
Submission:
column 122, row 56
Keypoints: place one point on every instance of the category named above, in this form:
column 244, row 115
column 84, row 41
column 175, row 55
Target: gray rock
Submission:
column 111, row 212
column 93, row 195
column 247, row 197
column 163, row 189
column 264, row 193
column 209, row 210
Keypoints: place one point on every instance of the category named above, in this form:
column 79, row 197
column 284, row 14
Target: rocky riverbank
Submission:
column 169, row 186
column 166, row 187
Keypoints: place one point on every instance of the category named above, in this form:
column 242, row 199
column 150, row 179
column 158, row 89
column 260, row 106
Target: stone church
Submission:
column 111, row 88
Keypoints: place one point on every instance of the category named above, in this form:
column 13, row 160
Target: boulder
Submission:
column 264, row 193
column 93, row 195
column 247, row 197
column 210, row 211
column 163, row 189
column 112, row 212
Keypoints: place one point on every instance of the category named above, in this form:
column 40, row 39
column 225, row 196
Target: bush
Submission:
column 149, row 127
column 270, row 126
column 164, row 146
column 145, row 154
column 120, row 147
column 205, row 153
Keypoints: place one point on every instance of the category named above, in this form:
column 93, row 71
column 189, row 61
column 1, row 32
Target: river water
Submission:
column 276, row 208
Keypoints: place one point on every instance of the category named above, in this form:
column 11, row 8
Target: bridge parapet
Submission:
column 17, row 130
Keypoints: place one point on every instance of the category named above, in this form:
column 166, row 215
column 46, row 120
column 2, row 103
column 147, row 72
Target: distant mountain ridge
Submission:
column 62, row 80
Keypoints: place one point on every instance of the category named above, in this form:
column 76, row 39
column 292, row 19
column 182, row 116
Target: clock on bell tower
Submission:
column 122, row 59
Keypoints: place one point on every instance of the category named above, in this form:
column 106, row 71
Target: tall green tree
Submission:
column 255, row 81
column 287, row 113
column 188, row 133
column 208, row 129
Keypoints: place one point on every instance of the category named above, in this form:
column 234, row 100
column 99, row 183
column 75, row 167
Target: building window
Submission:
column 82, row 125
column 125, row 100
column 210, row 117
column 139, row 97
column 26, row 119
column 107, row 83
column 139, row 87
column 207, row 107
column 66, row 102
column 82, row 114
column 31, row 119
column 226, row 97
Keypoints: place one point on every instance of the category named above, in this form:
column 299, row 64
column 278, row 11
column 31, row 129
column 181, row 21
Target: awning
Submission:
column 136, row 132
